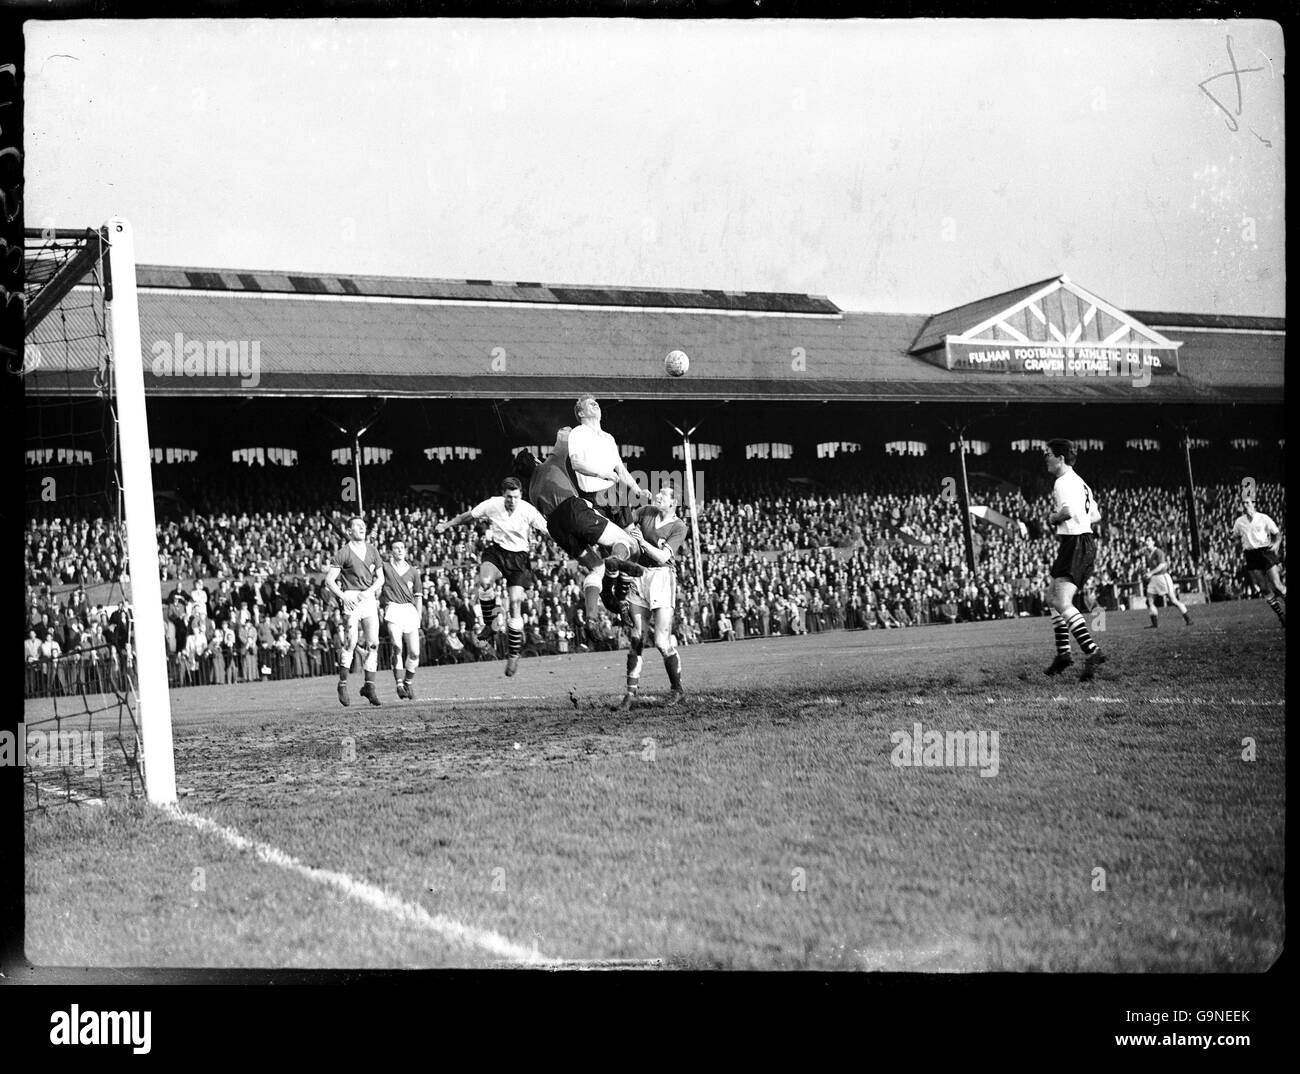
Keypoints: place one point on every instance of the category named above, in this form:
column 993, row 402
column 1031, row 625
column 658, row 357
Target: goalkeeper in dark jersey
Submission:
column 573, row 523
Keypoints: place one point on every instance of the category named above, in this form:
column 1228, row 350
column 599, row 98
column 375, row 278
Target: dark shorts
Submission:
column 1075, row 557
column 575, row 525
column 514, row 566
column 1261, row 559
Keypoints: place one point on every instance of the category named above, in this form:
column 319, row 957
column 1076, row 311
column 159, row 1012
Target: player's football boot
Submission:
column 675, row 697
column 1091, row 664
column 400, row 687
column 343, row 694
column 512, row 665
column 626, row 703
column 1058, row 665
column 1187, row 618
column 409, row 687
column 370, row 693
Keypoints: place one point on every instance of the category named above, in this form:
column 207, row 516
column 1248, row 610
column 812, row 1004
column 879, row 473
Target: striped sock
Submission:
column 514, row 636
column 1062, row 633
column 489, row 610
column 1276, row 605
column 1079, row 628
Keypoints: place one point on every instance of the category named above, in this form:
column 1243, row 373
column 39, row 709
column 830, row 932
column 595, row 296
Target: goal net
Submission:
column 97, row 719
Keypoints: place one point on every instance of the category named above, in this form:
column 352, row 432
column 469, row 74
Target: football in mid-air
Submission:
column 676, row 364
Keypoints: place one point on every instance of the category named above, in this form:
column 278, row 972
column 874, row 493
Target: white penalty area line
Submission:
column 369, row 894
column 72, row 796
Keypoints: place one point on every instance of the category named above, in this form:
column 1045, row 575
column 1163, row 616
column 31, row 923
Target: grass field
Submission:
column 762, row 825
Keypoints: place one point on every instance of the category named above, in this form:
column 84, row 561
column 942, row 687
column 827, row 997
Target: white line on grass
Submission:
column 410, row 913
column 72, row 796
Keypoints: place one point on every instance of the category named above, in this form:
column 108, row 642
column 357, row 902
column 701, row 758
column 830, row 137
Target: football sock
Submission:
column 1062, row 633
column 607, row 594
column 591, row 597
column 397, row 673
column 1079, row 628
column 633, row 670
column 622, row 585
column 673, row 665
column 345, row 665
column 370, row 677
column 515, row 636
column 1276, row 605
column 489, row 610
column 1155, row 617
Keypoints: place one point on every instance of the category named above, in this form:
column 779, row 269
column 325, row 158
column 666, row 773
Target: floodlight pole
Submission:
column 356, row 465
column 691, row 505
column 968, row 535
column 1191, row 504
column 356, row 458
column 141, row 536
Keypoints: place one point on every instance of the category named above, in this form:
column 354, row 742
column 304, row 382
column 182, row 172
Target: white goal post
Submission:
column 155, row 714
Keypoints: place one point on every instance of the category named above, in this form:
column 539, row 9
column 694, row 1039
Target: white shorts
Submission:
column 657, row 588
column 1161, row 585
column 366, row 608
column 404, row 617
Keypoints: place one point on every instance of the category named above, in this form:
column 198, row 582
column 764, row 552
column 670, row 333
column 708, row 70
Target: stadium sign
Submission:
column 1050, row 328
column 1061, row 359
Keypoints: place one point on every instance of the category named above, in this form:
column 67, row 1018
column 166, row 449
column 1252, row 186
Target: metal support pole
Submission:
column 967, row 533
column 1191, row 503
column 356, row 464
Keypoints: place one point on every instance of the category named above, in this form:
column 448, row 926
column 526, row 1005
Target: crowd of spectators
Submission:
column 861, row 548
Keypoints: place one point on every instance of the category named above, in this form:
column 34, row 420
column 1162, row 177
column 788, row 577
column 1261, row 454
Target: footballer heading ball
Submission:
column 676, row 364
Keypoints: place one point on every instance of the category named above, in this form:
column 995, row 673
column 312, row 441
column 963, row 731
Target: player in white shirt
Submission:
column 1074, row 511
column 1261, row 541
column 602, row 480
column 512, row 520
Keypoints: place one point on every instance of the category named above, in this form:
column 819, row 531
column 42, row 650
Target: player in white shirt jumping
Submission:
column 1261, row 541
column 1074, row 512
column 602, row 480
column 512, row 518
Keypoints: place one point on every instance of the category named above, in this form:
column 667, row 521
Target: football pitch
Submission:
column 797, row 812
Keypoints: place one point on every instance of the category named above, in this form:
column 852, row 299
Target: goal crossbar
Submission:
column 67, row 276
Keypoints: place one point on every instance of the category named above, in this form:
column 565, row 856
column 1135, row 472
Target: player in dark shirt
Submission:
column 659, row 533
column 1160, row 584
column 355, row 576
column 403, row 599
